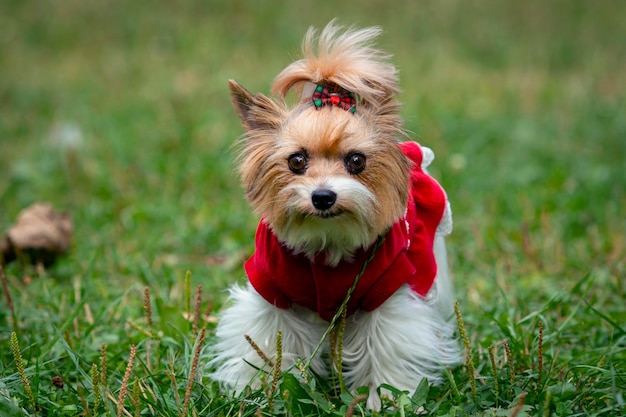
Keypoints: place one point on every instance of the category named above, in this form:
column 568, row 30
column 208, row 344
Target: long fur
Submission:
column 399, row 343
column 342, row 57
column 249, row 314
column 404, row 340
column 408, row 337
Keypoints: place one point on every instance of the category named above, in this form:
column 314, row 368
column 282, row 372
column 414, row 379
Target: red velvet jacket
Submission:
column 405, row 257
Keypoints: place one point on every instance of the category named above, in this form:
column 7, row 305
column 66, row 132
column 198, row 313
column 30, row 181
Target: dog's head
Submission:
column 326, row 174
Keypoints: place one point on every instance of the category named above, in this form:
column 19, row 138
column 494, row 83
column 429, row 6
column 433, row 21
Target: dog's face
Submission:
column 325, row 180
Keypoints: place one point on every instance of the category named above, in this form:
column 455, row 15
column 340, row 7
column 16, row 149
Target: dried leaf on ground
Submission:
column 40, row 235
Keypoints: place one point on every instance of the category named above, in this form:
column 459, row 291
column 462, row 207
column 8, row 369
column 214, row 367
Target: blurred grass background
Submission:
column 118, row 112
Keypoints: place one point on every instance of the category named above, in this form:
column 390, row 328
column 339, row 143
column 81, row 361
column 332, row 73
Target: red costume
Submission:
column 405, row 257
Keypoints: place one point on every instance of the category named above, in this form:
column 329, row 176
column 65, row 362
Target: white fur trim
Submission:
column 428, row 156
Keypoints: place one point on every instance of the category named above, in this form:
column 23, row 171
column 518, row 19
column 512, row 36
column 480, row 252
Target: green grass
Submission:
column 524, row 104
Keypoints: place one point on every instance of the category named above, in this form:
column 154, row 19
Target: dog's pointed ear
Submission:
column 256, row 111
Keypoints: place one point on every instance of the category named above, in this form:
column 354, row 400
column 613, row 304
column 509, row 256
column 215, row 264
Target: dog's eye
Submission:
column 297, row 163
column 355, row 163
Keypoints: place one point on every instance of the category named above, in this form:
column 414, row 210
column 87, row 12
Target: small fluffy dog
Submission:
column 337, row 189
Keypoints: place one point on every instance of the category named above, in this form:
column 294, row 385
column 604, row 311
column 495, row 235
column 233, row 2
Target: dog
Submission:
column 339, row 186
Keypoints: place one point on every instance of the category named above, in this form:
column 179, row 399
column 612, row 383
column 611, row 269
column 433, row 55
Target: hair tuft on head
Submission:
column 342, row 57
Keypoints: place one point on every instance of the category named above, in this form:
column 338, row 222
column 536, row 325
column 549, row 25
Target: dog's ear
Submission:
column 256, row 111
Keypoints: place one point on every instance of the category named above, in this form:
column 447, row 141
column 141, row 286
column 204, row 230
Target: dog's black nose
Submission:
column 323, row 199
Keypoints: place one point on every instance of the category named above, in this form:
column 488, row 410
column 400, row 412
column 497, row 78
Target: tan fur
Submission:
column 326, row 136
column 345, row 59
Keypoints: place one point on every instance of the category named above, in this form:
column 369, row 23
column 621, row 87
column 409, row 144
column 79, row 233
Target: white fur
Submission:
column 339, row 236
column 401, row 342
column 251, row 315
column 404, row 340
column 442, row 293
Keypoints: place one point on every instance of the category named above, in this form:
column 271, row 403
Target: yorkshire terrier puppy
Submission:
column 337, row 189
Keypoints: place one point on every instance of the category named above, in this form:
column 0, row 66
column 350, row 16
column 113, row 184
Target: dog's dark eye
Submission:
column 297, row 163
column 355, row 163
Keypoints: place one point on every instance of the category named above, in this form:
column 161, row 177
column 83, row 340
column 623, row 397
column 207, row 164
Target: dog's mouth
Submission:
column 327, row 214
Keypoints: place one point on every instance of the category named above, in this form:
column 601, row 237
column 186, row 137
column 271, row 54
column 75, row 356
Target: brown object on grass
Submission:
column 40, row 235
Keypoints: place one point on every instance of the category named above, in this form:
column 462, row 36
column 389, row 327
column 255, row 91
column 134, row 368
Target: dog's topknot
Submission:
column 343, row 57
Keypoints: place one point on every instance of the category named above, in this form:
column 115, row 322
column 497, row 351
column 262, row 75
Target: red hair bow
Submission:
column 323, row 97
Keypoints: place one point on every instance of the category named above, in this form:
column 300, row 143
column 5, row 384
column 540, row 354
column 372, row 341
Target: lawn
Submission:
column 118, row 113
